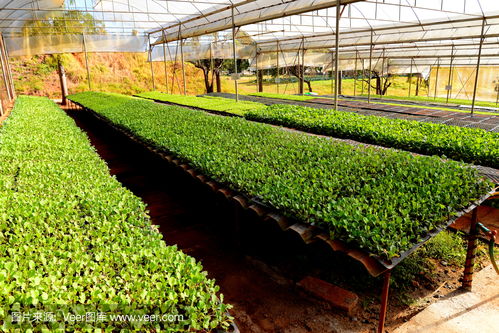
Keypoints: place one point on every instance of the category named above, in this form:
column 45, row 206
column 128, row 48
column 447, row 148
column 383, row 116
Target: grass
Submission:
column 206, row 102
column 438, row 100
column 282, row 96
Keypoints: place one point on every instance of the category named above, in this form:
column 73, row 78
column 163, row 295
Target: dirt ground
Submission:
column 258, row 277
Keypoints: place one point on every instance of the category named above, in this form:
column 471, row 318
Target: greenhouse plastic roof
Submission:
column 422, row 30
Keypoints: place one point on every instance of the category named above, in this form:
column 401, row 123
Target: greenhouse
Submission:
column 249, row 165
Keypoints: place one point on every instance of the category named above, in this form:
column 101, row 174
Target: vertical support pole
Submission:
column 436, row 79
column 183, row 65
column 259, row 75
column 234, row 53
column 384, row 301
column 362, row 76
column 151, row 63
column 62, row 81
column 477, row 70
column 4, row 65
column 212, row 68
column 470, row 252
column 277, row 77
column 9, row 81
column 449, row 89
column 89, row 80
column 337, row 55
column 370, row 68
column 382, row 84
column 355, row 77
column 410, row 80
column 303, row 68
column 256, row 69
column 165, row 45
column 332, row 72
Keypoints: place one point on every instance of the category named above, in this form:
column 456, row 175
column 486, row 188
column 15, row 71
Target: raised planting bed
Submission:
column 472, row 145
column 382, row 201
column 209, row 103
column 74, row 241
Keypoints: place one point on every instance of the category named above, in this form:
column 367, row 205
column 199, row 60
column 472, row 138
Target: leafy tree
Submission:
column 69, row 22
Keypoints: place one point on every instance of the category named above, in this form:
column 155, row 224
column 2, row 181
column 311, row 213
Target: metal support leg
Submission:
column 384, row 301
column 470, row 253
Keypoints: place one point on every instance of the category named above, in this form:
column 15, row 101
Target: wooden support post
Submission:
column 384, row 301
column 62, row 81
column 470, row 252
column 477, row 70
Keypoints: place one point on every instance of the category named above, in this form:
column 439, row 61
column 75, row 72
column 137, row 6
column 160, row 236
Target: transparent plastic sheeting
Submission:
column 220, row 50
column 70, row 43
column 429, row 31
column 15, row 18
column 246, row 13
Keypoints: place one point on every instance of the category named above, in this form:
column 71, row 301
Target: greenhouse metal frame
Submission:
column 393, row 36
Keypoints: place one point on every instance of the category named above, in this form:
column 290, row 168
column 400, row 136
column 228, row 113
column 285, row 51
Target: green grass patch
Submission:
column 283, row 96
column 206, row 102
column 438, row 100
column 383, row 201
column 472, row 145
column 75, row 241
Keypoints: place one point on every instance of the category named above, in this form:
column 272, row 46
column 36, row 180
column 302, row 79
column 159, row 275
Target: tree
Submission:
column 206, row 66
column 382, row 83
column 296, row 70
column 66, row 23
column 212, row 68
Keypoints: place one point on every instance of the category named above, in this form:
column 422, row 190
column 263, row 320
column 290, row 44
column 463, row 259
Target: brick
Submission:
column 336, row 296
